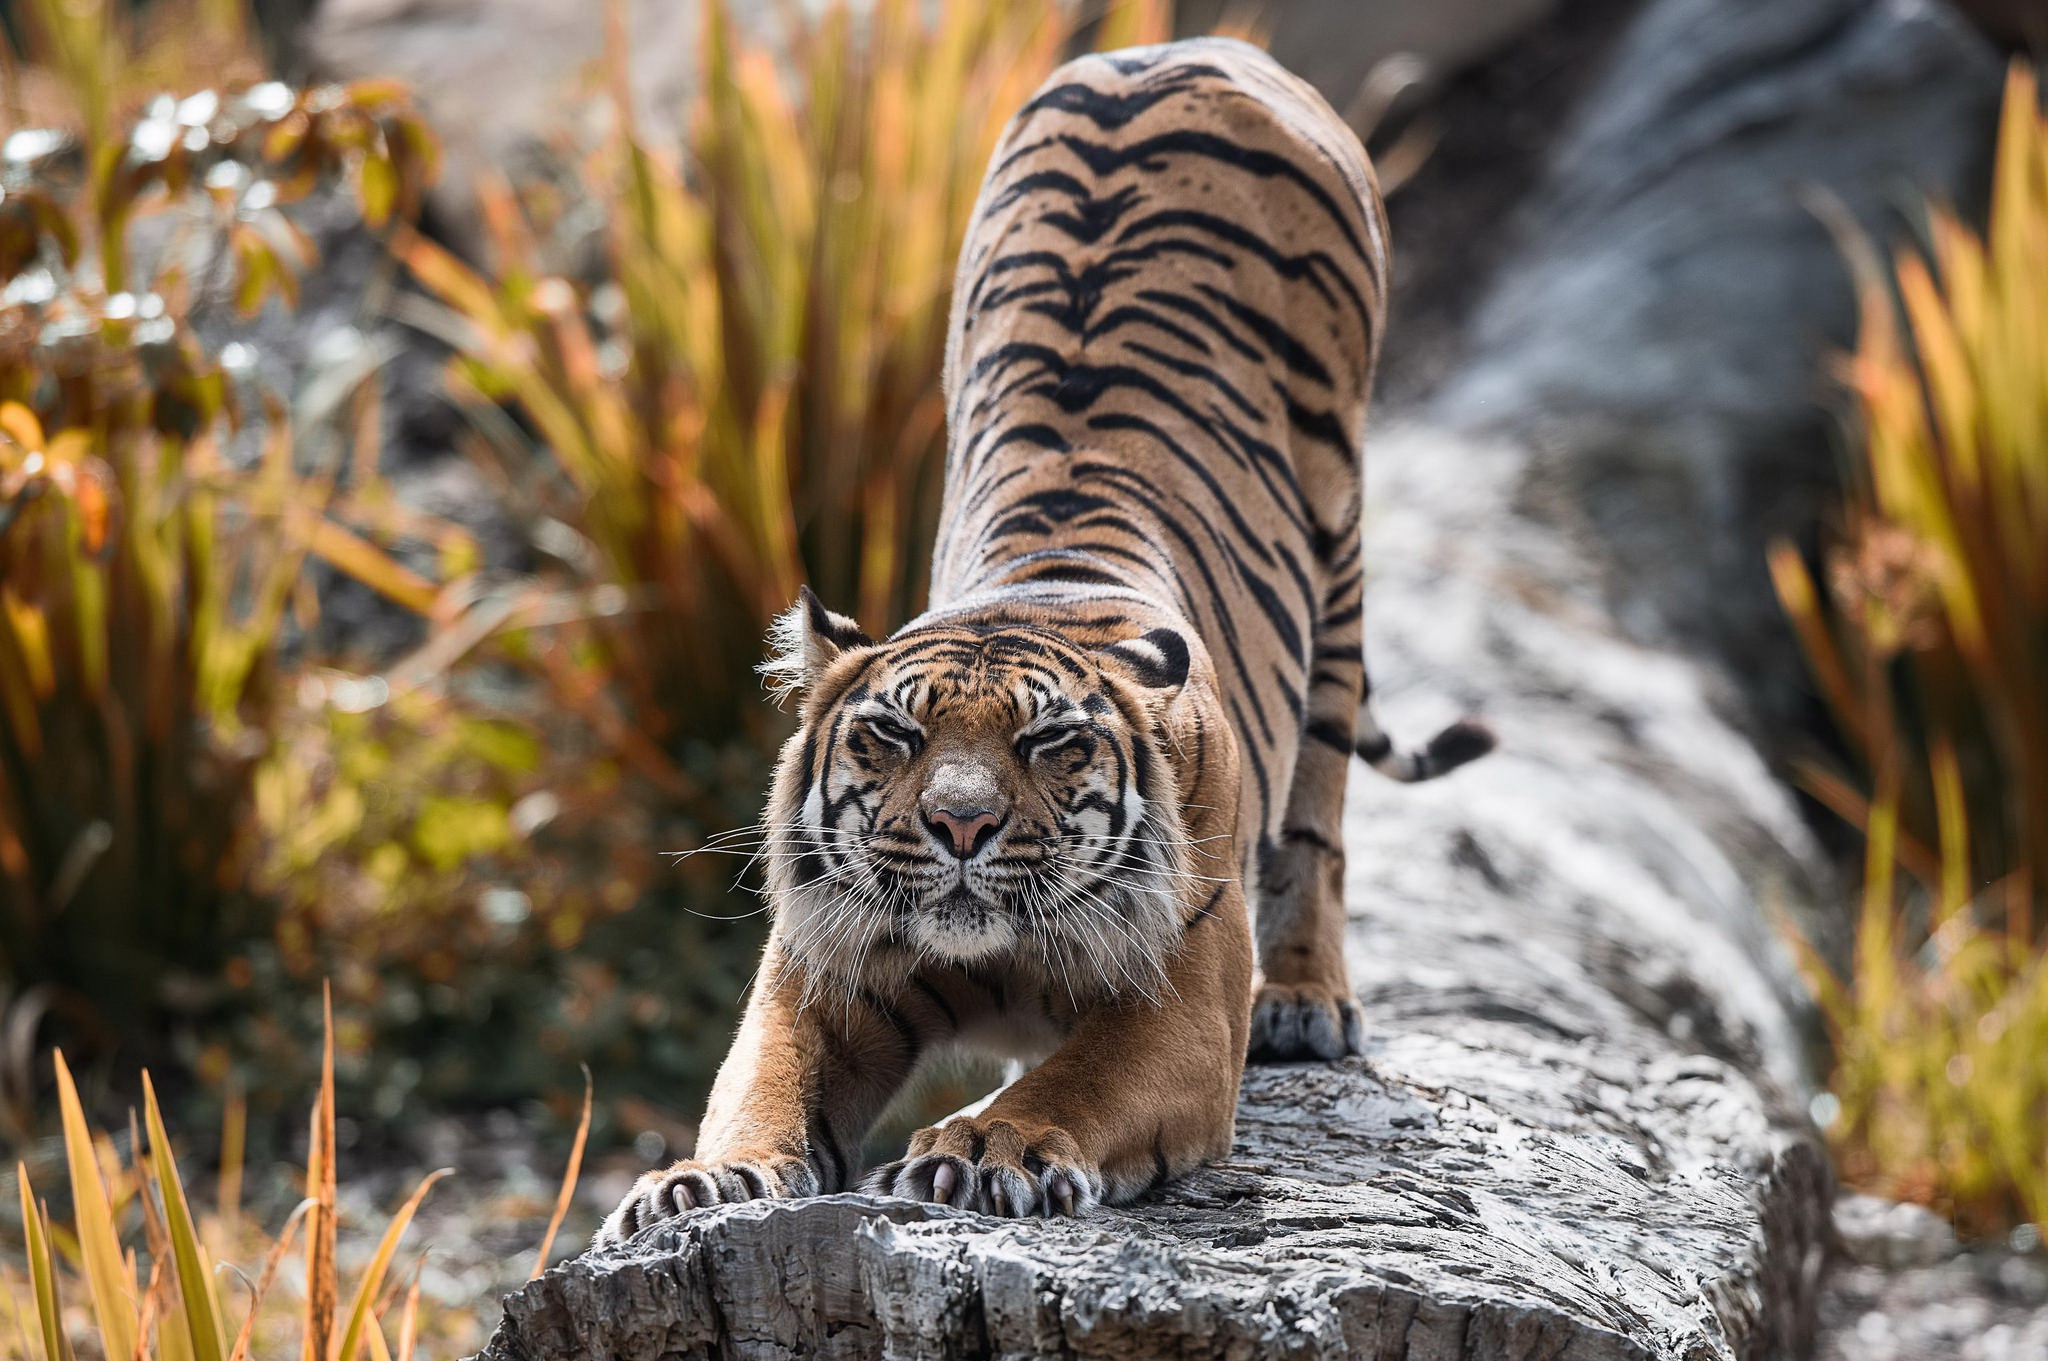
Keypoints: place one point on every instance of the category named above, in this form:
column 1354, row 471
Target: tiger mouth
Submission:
column 961, row 905
column 963, row 924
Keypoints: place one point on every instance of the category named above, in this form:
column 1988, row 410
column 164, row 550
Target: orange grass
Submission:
column 167, row 1300
column 1927, row 632
column 748, row 398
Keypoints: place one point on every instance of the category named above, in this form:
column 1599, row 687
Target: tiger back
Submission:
column 1164, row 330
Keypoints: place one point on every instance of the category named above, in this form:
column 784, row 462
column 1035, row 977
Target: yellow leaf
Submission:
column 111, row 1286
column 42, row 1269
column 373, row 1275
column 359, row 558
column 195, row 1283
column 379, row 190
column 322, row 1289
column 20, row 425
column 568, row 1191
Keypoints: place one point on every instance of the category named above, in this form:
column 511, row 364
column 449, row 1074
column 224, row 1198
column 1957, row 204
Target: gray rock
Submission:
column 1889, row 1233
column 1662, row 332
column 1577, row 1130
column 503, row 81
column 1974, row 1306
column 1335, row 44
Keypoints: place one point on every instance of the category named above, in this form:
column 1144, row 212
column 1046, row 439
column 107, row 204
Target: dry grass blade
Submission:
column 234, row 1138
column 23, row 1346
column 196, row 1291
column 42, row 1266
column 409, row 1318
column 112, row 1286
column 152, row 1301
column 322, row 1289
column 271, row 1262
column 569, row 1175
column 359, row 1315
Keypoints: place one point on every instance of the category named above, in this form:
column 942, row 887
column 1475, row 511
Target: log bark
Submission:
column 1577, row 1130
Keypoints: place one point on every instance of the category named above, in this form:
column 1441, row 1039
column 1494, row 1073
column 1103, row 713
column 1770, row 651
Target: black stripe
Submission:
column 932, row 995
column 832, row 1165
column 1329, row 734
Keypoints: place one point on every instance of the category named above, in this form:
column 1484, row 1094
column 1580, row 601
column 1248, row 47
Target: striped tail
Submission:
column 1466, row 740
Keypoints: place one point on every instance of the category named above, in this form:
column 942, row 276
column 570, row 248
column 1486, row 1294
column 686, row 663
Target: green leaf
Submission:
column 450, row 830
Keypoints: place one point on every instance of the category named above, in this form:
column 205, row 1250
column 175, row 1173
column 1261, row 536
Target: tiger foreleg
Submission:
column 1304, row 1007
column 1139, row 1092
column 789, row 1109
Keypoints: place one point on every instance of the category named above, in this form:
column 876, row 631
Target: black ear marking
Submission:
column 1157, row 660
column 836, row 629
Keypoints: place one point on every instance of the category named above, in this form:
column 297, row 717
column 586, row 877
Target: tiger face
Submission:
column 977, row 794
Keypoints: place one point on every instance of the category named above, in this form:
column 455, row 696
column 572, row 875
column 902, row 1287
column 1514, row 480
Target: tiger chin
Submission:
column 1040, row 819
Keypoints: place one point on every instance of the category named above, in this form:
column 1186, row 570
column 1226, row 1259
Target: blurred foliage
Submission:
column 747, row 396
column 726, row 366
column 461, row 866
column 93, row 66
column 153, row 525
column 697, row 380
column 167, row 1297
column 1928, row 633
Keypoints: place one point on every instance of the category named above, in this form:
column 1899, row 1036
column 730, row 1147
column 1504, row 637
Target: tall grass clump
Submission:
column 1927, row 630
column 744, row 394
column 153, row 517
column 144, row 1271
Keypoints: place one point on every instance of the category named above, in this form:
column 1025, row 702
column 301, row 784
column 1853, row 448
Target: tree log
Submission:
column 1579, row 1129
column 1575, row 1133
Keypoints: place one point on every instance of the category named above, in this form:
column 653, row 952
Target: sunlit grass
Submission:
column 747, row 396
column 139, row 1271
column 157, row 512
column 1928, row 633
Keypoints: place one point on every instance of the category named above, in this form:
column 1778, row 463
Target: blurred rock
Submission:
column 1973, row 1306
column 1888, row 1233
column 2019, row 24
column 501, row 79
column 1493, row 126
column 1661, row 331
column 1336, row 43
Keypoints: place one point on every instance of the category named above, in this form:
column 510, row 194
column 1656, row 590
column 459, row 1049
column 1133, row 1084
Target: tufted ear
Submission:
column 1157, row 660
column 804, row 640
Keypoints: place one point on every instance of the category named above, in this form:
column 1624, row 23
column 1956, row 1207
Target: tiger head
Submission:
column 976, row 794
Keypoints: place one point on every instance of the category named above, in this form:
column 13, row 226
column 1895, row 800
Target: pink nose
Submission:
column 967, row 831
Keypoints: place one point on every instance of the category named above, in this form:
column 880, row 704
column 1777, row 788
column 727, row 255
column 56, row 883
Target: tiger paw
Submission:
column 1304, row 1021
column 993, row 1166
column 691, row 1185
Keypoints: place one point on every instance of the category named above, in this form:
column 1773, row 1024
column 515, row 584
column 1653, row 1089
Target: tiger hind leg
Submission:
column 1304, row 1007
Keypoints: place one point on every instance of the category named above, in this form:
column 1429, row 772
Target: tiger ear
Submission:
column 1157, row 660
column 804, row 640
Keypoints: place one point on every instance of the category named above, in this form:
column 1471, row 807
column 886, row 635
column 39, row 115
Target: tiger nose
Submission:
column 963, row 832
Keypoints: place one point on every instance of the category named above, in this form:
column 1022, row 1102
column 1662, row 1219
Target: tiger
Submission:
column 1039, row 820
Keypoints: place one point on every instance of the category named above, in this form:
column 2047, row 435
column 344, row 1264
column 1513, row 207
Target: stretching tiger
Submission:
column 1027, row 822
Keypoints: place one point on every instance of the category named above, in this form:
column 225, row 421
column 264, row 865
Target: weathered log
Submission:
column 1578, row 1131
column 1572, row 1134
